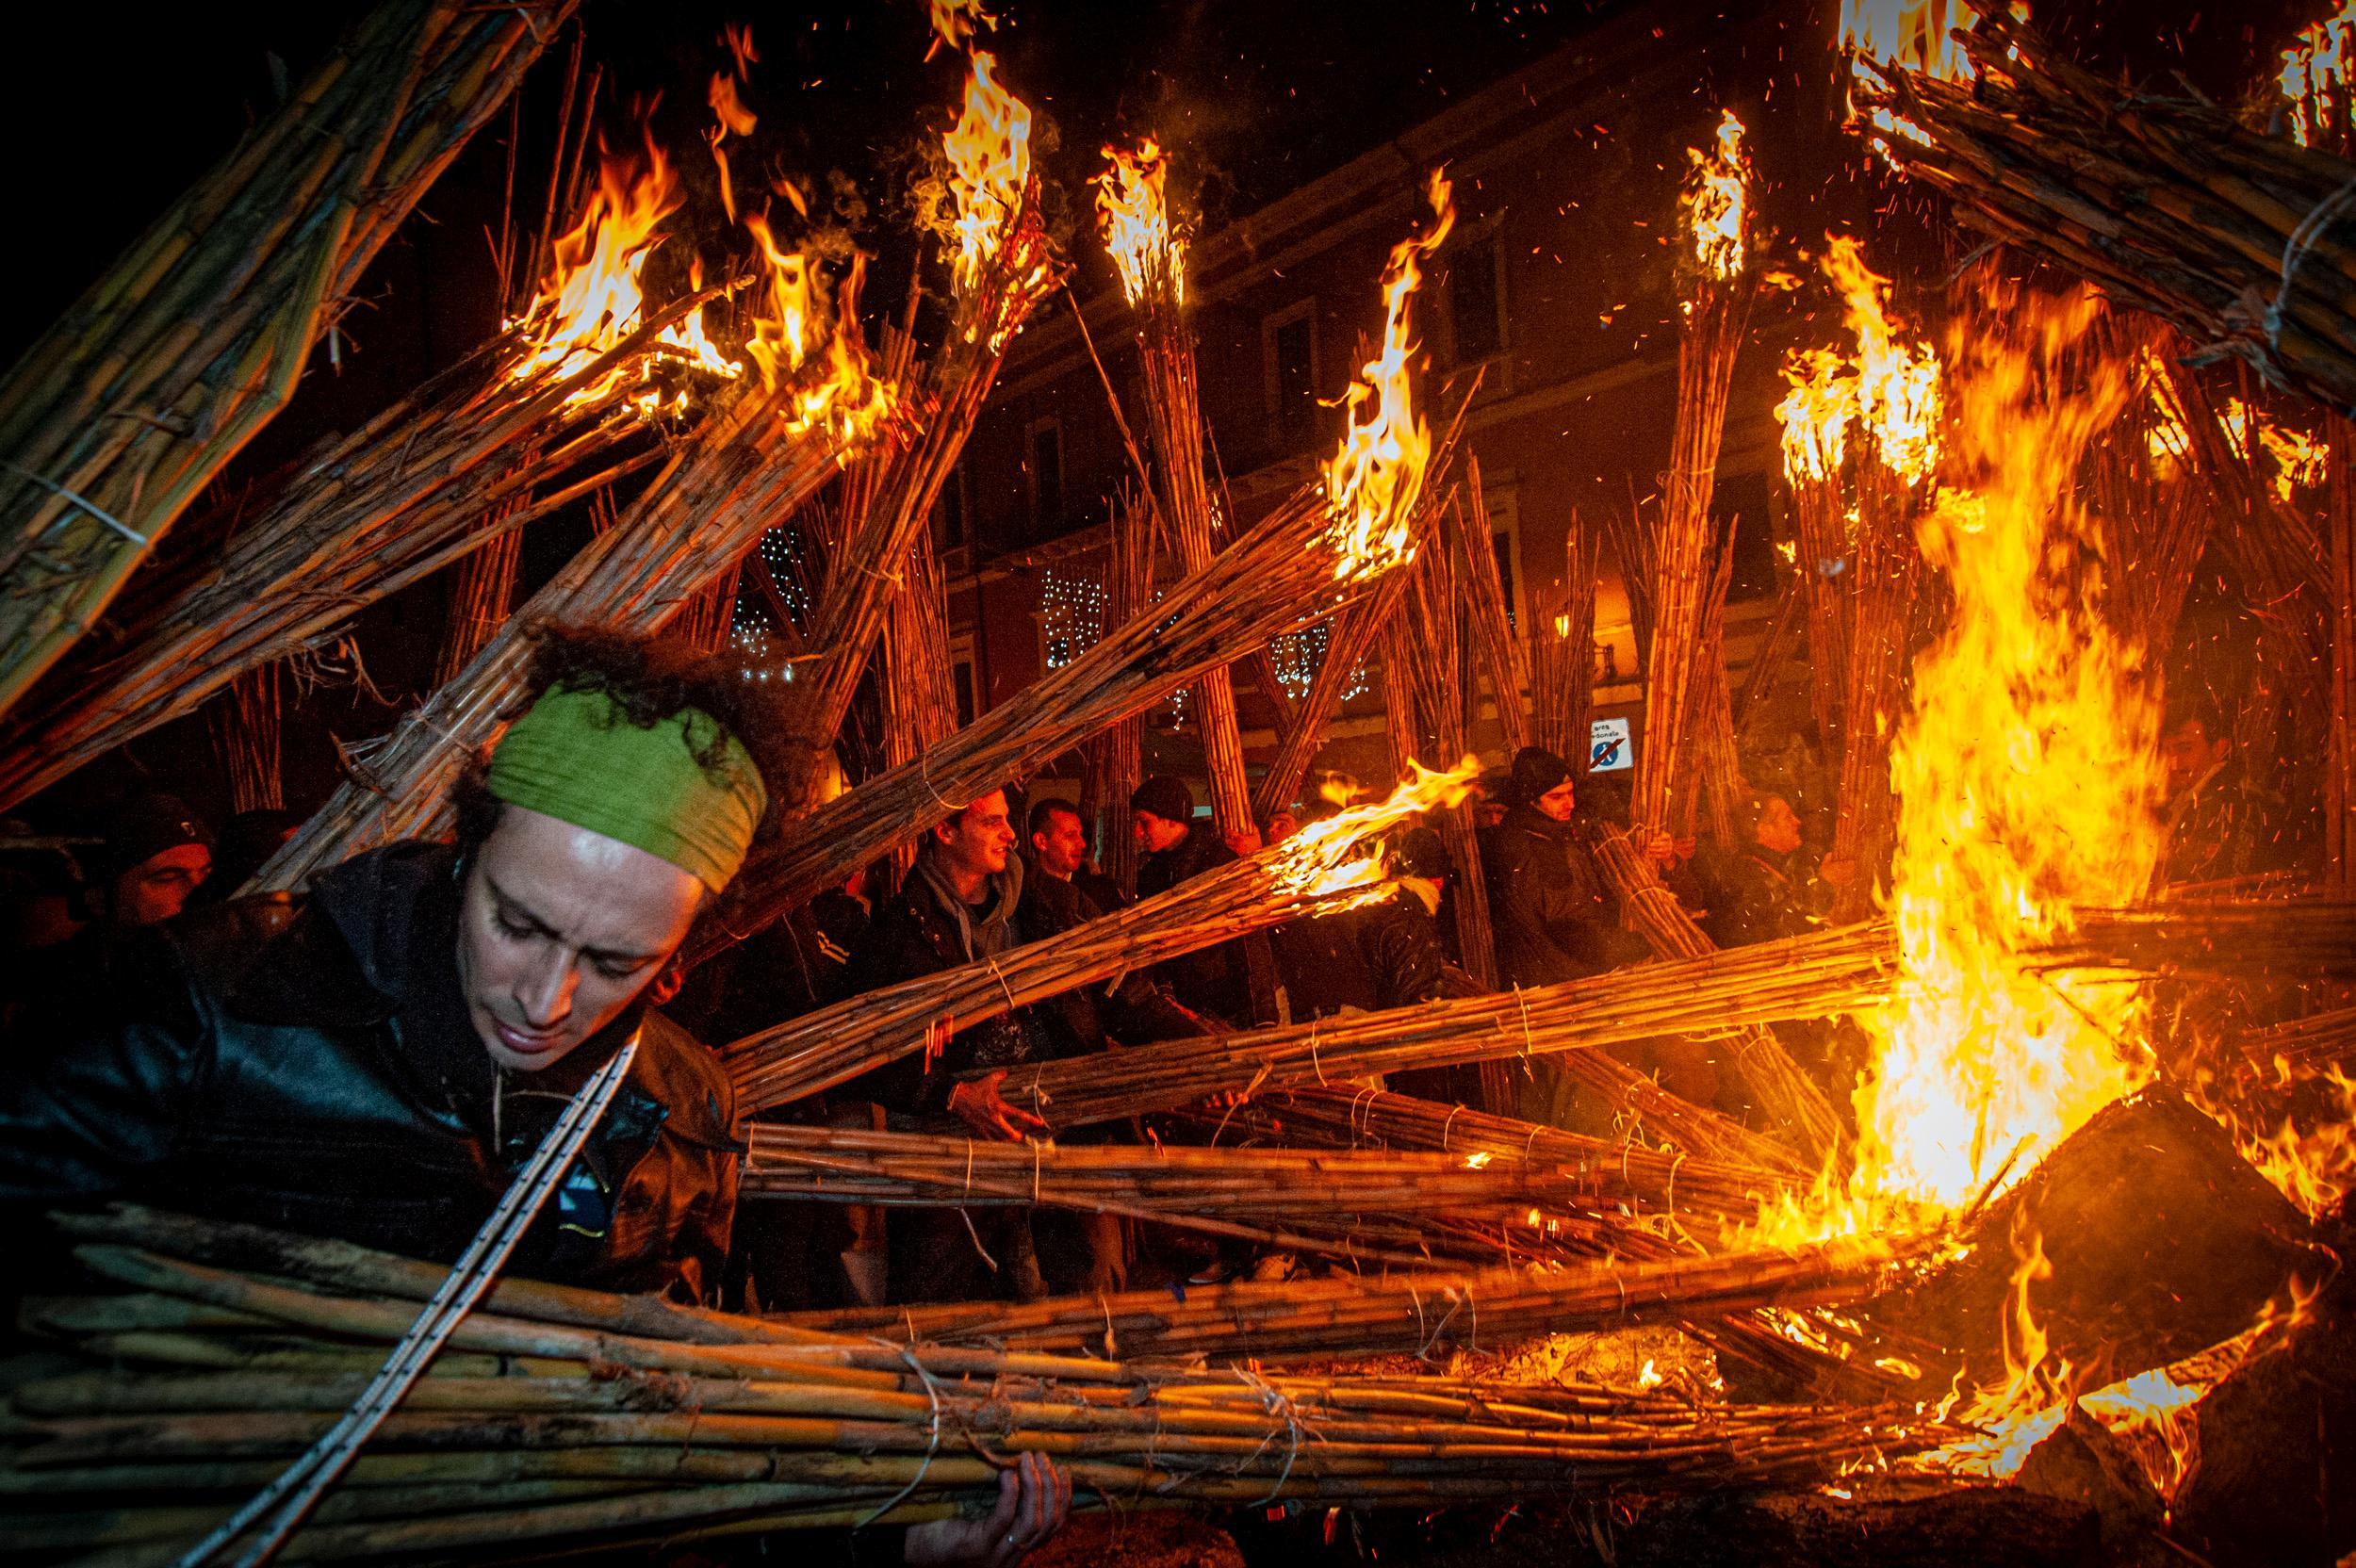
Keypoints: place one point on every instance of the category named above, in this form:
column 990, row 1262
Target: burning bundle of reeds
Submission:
column 2339, row 795
column 567, row 1419
column 1148, row 251
column 455, row 467
column 1716, row 309
column 2168, row 203
column 1793, row 1101
column 1815, row 976
column 1562, row 654
column 1611, row 1170
column 749, row 463
column 2294, row 939
column 113, row 421
column 1815, row 417
column 1426, row 1315
column 1324, row 867
column 1402, row 1209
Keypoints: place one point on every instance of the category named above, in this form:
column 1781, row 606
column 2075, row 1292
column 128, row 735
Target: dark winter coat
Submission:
column 1215, row 980
column 308, row 1064
column 1386, row 955
column 1553, row 916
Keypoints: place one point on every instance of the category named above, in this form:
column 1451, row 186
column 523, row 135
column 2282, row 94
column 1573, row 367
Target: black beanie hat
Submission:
column 1536, row 770
column 1165, row 797
column 144, row 826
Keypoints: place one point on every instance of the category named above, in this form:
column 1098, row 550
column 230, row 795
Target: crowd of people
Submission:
column 376, row 1058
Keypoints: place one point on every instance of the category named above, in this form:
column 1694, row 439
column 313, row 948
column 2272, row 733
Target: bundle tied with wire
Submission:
column 751, row 461
column 465, row 461
column 116, row 418
column 562, row 1419
column 1326, row 867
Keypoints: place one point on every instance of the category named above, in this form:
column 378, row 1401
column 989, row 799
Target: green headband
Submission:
column 576, row 758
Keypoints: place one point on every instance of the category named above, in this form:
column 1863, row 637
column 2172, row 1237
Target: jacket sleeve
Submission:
column 1140, row 1011
column 1406, row 958
column 85, row 1115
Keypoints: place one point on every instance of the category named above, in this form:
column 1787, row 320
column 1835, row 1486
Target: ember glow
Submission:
column 1134, row 214
column 1374, row 480
column 989, row 169
column 2028, row 779
column 1338, row 855
column 1898, row 383
column 2318, row 71
column 1717, row 198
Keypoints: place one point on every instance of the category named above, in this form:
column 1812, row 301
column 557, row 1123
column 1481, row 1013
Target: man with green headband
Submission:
column 374, row 1060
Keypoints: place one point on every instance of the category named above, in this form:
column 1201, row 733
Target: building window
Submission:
column 1046, row 469
column 961, row 676
column 1476, row 299
column 1504, row 507
column 1288, row 340
column 956, row 510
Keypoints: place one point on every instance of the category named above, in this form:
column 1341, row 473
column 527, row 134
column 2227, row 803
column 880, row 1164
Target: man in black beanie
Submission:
column 1175, row 848
column 1553, row 915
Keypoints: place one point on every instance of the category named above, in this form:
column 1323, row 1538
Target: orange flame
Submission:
column 989, row 169
column 2318, row 71
column 1716, row 199
column 1816, row 414
column 780, row 336
column 1915, row 33
column 1374, row 480
column 1898, row 384
column 1134, row 216
column 956, row 22
column 1334, row 856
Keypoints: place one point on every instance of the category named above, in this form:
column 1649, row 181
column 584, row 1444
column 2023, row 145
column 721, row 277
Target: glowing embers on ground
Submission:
column 1338, row 854
column 1133, row 210
column 1373, row 482
column 1716, row 201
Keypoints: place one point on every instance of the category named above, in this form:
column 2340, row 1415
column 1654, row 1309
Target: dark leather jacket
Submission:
column 1212, row 980
column 308, row 1064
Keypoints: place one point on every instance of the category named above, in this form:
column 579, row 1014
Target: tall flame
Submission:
column 1373, row 480
column 989, row 169
column 593, row 298
column 1917, row 35
column 1816, row 414
column 2318, row 72
column 1716, row 199
column 1898, row 383
column 1336, row 856
column 2027, row 778
column 1134, row 214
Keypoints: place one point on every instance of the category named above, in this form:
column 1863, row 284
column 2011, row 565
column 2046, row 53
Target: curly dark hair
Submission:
column 650, row 679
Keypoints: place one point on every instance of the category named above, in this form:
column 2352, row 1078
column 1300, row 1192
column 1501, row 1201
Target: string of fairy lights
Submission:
column 752, row 628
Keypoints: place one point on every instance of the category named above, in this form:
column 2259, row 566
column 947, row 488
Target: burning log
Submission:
column 450, row 469
column 567, row 1418
column 2271, row 1483
column 116, row 420
column 1150, row 253
column 1615, row 1172
column 1798, row 977
column 1425, row 1316
column 1309, row 873
column 1319, row 550
column 2143, row 1238
column 1716, row 310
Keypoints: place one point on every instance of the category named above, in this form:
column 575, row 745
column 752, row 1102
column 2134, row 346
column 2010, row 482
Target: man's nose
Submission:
column 546, row 991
